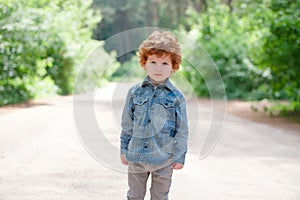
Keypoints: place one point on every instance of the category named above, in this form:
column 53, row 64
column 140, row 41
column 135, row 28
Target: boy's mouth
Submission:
column 157, row 74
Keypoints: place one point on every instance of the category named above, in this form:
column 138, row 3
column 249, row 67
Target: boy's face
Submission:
column 158, row 68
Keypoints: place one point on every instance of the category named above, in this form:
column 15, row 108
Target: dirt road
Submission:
column 42, row 157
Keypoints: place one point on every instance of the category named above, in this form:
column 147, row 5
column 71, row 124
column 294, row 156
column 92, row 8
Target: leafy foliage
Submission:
column 277, row 48
column 275, row 28
column 41, row 42
column 254, row 44
column 223, row 35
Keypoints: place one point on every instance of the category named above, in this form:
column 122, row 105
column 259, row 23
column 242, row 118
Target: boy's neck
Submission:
column 156, row 83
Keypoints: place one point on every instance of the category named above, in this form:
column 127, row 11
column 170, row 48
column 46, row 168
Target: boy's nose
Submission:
column 159, row 67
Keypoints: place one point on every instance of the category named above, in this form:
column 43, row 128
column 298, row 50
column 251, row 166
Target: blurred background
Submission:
column 255, row 45
column 45, row 44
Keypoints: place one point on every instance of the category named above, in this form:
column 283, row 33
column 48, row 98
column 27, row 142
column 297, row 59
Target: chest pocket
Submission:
column 139, row 106
column 169, row 106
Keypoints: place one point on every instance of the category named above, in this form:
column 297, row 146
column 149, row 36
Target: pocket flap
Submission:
column 140, row 100
column 167, row 103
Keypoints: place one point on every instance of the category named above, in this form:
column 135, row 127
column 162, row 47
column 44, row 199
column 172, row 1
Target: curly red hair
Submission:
column 161, row 43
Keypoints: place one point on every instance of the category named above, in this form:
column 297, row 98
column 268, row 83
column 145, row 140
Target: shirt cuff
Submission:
column 179, row 158
column 123, row 151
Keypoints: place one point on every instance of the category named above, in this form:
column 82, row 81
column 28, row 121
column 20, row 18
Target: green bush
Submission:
column 277, row 46
column 41, row 43
column 225, row 38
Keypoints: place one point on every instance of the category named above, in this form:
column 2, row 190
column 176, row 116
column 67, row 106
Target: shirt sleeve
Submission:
column 181, row 136
column 127, row 123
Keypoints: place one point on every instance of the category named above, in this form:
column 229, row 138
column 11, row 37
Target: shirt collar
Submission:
column 167, row 84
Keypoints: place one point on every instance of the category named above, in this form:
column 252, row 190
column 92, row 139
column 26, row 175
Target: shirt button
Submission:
column 154, row 95
column 149, row 121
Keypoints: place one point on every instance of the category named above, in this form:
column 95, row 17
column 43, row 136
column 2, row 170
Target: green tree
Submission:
column 275, row 28
column 223, row 34
column 277, row 47
column 41, row 43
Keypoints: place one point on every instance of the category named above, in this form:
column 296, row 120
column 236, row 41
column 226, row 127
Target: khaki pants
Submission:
column 138, row 174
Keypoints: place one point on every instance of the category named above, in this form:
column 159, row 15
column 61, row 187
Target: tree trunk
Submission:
column 200, row 5
column 155, row 13
column 228, row 3
column 203, row 5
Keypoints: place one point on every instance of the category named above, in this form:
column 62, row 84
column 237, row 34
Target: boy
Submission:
column 154, row 121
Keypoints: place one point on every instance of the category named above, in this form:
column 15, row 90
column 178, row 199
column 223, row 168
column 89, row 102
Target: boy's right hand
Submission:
column 124, row 160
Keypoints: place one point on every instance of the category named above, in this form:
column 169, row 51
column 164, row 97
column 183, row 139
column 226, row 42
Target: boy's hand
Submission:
column 124, row 160
column 177, row 166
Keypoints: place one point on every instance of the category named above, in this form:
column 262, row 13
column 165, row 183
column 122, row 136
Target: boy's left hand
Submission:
column 177, row 166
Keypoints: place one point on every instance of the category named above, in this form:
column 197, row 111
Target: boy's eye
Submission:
column 165, row 63
column 153, row 62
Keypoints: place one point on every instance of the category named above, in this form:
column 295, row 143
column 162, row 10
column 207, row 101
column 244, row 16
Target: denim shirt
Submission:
column 154, row 124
